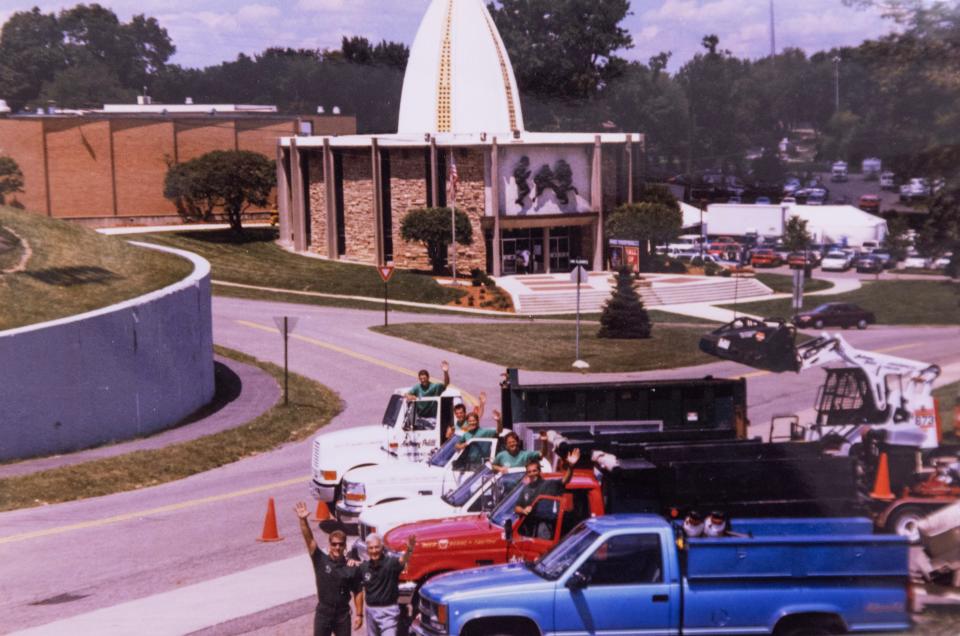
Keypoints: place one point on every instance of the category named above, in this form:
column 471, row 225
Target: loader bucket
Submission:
column 760, row 344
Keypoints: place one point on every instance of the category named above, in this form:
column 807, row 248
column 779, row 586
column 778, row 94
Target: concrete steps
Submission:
column 592, row 299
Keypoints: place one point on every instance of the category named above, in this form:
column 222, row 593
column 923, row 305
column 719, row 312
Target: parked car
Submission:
column 887, row 181
column 835, row 315
column 765, row 257
column 942, row 261
column 870, row 203
column 835, row 261
column 869, row 246
column 816, row 196
column 914, row 260
column 905, row 193
column 802, row 259
column 723, row 249
column 762, row 201
column 867, row 264
column 788, row 201
column 919, row 188
column 791, row 185
column 886, row 258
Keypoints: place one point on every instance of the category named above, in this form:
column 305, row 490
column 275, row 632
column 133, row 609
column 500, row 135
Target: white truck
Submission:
column 399, row 480
column 408, row 432
column 479, row 493
column 838, row 171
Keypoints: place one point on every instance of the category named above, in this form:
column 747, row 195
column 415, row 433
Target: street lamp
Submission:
column 836, row 84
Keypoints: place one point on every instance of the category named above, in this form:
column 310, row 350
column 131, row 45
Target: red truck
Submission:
column 662, row 478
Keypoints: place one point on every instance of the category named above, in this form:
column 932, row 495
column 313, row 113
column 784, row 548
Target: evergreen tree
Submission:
column 624, row 315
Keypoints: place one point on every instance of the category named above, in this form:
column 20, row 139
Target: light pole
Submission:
column 836, row 84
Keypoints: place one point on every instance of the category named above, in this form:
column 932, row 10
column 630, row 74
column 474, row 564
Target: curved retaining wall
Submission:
column 112, row 374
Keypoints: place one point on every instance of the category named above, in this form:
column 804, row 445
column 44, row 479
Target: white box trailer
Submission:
column 739, row 219
column 826, row 223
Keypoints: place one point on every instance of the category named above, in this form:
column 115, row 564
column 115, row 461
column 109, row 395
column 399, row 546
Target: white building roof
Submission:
column 187, row 108
column 459, row 78
column 474, row 139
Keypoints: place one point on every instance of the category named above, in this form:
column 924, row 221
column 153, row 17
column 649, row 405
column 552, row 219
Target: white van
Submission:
column 838, row 172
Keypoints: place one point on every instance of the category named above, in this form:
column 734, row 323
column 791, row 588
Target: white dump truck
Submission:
column 409, row 432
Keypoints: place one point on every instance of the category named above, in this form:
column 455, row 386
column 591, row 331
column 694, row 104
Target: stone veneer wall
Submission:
column 471, row 200
column 358, row 214
column 317, row 197
column 408, row 191
column 609, row 177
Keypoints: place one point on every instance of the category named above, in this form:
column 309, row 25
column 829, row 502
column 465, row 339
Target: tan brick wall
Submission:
column 317, row 189
column 78, row 159
column 141, row 150
column 23, row 142
column 408, row 191
column 196, row 138
column 261, row 136
column 358, row 213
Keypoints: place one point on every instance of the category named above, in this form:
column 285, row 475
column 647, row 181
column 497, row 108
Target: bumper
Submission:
column 407, row 590
column 422, row 629
column 349, row 517
column 323, row 492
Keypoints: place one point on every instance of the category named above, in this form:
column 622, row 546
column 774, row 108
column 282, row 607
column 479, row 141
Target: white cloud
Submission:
column 257, row 13
column 647, row 33
column 322, row 5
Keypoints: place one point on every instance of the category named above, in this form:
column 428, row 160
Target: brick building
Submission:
column 535, row 200
column 108, row 167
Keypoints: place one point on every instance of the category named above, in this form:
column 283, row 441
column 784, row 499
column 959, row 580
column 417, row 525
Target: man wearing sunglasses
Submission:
column 335, row 582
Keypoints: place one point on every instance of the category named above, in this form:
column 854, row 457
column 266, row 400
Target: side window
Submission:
column 424, row 416
column 631, row 559
column 541, row 523
column 474, row 455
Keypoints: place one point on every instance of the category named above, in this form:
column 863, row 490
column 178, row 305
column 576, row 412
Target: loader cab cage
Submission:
column 845, row 398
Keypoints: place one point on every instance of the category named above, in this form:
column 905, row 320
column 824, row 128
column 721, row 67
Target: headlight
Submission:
column 354, row 491
column 329, row 475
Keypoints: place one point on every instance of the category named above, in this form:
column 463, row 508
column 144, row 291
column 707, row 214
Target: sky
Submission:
column 208, row 32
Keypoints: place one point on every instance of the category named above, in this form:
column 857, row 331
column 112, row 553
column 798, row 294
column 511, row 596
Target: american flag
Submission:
column 453, row 178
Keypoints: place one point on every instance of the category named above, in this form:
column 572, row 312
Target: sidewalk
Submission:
column 710, row 311
column 243, row 392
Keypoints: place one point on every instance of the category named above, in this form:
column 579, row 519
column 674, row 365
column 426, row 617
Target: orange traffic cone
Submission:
column 270, row 524
column 322, row 513
column 881, row 485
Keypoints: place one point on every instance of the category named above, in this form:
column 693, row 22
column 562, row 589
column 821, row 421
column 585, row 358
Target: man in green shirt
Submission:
column 513, row 457
column 460, row 416
column 426, row 388
column 473, row 429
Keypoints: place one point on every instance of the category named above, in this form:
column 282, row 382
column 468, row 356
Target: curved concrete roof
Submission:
column 459, row 78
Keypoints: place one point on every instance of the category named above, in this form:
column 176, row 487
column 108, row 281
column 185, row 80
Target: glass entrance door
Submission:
column 523, row 252
column 559, row 254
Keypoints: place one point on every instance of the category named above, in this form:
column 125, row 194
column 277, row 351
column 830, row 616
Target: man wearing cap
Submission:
column 335, row 581
column 380, row 578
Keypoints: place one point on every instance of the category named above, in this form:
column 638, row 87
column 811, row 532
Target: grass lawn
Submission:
column 658, row 317
column 550, row 347
column 947, row 400
column 783, row 283
column 895, row 302
column 69, row 269
column 255, row 259
column 311, row 406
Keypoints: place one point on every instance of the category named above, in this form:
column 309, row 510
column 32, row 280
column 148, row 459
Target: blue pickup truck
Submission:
column 635, row 574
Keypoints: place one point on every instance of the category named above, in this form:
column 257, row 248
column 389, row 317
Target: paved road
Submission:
column 186, row 551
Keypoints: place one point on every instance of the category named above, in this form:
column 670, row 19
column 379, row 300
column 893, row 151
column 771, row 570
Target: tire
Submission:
column 861, row 324
column 806, row 630
column 904, row 522
column 818, row 324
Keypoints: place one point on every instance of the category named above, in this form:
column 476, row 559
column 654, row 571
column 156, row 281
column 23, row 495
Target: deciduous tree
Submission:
column 431, row 227
column 644, row 222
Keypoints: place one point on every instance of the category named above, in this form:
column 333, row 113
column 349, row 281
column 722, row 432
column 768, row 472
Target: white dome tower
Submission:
column 459, row 78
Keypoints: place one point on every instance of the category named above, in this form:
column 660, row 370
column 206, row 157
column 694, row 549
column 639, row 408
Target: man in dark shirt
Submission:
column 335, row 581
column 537, row 486
column 380, row 578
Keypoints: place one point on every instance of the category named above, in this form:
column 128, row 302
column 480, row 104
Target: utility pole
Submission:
column 773, row 33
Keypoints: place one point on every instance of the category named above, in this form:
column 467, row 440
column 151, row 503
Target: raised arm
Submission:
column 411, row 542
column 481, row 404
column 303, row 513
column 499, row 420
column 445, row 367
column 572, row 458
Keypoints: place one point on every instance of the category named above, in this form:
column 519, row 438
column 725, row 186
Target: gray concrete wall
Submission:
column 116, row 373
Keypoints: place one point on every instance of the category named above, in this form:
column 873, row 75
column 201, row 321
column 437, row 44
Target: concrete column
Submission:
column 596, row 202
column 377, row 201
column 283, row 197
column 629, row 151
column 434, row 173
column 329, row 183
column 298, row 227
column 495, row 197
column 546, row 250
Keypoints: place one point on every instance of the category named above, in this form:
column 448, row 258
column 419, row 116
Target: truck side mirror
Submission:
column 577, row 581
column 508, row 530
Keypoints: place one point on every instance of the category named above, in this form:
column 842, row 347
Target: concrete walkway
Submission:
column 243, row 393
column 710, row 311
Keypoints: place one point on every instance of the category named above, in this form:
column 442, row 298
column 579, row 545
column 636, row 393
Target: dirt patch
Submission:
column 14, row 252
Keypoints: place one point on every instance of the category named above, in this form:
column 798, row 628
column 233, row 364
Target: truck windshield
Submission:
column 465, row 491
column 393, row 410
column 445, row 453
column 504, row 511
column 555, row 562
